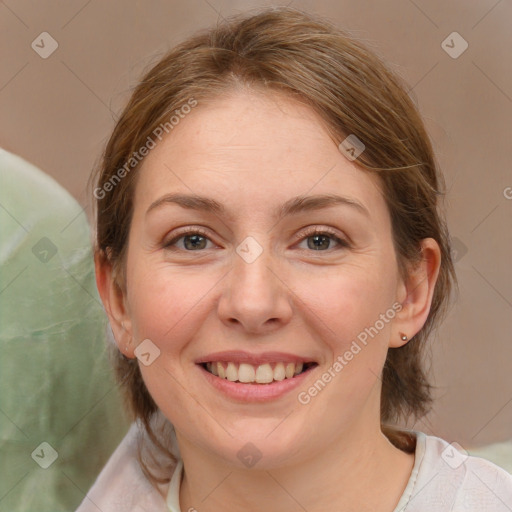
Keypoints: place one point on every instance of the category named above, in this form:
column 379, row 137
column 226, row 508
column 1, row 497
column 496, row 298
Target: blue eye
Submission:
column 321, row 240
column 192, row 240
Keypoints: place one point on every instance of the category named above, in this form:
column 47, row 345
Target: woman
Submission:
column 272, row 259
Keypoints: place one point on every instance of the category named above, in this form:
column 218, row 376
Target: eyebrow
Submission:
column 293, row 206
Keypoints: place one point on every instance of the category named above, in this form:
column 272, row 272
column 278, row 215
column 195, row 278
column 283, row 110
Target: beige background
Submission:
column 58, row 112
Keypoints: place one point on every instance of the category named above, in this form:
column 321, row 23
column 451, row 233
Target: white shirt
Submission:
column 442, row 480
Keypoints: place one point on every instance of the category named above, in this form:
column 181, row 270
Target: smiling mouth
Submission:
column 257, row 374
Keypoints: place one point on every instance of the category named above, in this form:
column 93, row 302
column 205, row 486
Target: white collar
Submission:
column 173, row 495
column 436, row 483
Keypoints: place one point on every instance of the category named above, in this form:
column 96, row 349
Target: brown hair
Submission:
column 354, row 93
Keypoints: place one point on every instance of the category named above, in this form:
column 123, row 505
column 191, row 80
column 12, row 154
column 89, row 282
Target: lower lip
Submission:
column 255, row 392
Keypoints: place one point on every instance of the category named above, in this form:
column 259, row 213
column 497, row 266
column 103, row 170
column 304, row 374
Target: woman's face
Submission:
column 256, row 289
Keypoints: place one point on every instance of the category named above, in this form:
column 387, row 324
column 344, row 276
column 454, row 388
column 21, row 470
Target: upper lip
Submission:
column 239, row 356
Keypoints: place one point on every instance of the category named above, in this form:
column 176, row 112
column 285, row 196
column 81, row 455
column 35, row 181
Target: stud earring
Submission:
column 403, row 337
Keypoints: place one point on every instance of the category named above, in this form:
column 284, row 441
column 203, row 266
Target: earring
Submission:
column 403, row 337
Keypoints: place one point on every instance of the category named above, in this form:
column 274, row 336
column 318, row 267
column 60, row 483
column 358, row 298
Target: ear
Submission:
column 415, row 294
column 114, row 301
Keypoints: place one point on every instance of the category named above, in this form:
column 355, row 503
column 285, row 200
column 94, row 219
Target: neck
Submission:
column 363, row 472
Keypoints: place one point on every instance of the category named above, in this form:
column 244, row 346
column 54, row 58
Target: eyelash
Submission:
column 302, row 236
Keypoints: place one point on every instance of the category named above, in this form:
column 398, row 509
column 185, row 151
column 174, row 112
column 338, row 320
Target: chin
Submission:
column 260, row 445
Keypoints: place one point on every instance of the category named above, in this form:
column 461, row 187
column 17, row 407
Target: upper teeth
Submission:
column 262, row 374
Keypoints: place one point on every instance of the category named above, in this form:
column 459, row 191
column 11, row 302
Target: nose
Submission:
column 255, row 297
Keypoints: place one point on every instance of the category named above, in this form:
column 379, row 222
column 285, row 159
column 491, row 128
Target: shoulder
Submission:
column 448, row 478
column 122, row 486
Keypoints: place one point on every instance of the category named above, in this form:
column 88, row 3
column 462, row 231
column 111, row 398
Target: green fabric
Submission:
column 56, row 385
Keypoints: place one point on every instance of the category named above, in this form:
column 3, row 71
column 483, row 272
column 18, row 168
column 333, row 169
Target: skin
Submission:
column 252, row 151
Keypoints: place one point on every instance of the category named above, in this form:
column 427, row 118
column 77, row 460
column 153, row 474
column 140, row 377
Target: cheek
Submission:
column 165, row 304
column 166, row 309
column 344, row 304
column 345, row 308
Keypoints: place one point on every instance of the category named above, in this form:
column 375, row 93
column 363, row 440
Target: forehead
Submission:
column 251, row 145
